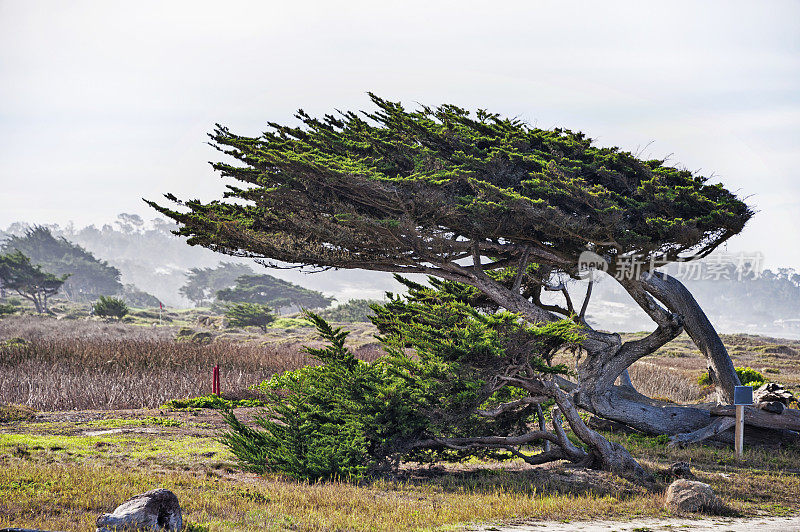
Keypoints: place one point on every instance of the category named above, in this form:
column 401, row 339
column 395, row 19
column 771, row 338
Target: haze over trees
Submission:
column 87, row 277
column 354, row 311
column 276, row 293
column 154, row 260
column 492, row 203
column 202, row 284
column 153, row 264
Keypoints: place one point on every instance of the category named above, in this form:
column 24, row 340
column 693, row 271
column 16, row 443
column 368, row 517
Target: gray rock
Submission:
column 154, row 510
column 691, row 496
column 772, row 391
column 681, row 470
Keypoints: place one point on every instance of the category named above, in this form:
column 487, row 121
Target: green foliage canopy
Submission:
column 416, row 191
column 249, row 314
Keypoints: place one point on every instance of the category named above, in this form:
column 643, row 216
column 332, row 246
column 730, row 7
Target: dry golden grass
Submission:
column 62, row 482
column 70, row 497
column 672, row 372
column 666, row 383
column 65, row 365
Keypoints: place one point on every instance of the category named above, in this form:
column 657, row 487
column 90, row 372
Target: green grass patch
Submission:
column 175, row 450
column 210, row 401
column 289, row 323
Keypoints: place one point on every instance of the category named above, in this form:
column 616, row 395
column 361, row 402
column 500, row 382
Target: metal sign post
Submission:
column 742, row 396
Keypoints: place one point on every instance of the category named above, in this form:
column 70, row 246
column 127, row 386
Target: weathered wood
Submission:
column 674, row 295
column 738, row 441
column 721, row 424
column 789, row 419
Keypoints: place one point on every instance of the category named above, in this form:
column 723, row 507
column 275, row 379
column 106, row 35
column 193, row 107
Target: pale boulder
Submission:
column 691, row 496
column 154, row 510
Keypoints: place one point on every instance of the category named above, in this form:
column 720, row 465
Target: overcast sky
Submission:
column 103, row 103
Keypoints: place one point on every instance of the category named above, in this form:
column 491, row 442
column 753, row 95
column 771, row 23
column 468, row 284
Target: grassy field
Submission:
column 51, row 364
column 100, row 437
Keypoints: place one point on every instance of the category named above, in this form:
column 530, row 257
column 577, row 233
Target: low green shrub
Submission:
column 202, row 337
column 8, row 308
column 346, row 418
column 110, row 307
column 747, row 376
column 16, row 343
column 211, row 401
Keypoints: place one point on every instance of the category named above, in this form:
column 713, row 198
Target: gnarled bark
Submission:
column 671, row 292
column 605, row 357
column 602, row 453
column 680, row 311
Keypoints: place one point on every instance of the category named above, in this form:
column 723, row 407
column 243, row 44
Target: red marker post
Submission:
column 215, row 381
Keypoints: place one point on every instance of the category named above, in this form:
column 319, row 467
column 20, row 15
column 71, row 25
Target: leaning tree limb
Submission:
column 601, row 454
column 674, row 295
column 715, row 428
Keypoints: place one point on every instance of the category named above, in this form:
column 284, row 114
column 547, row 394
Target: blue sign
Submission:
column 743, row 395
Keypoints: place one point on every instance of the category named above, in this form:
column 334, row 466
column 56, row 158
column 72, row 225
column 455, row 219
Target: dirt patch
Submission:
column 770, row 524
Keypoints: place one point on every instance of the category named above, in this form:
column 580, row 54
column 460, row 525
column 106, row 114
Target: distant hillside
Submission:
column 156, row 261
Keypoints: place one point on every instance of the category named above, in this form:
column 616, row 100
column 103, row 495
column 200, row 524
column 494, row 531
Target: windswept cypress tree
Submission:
column 29, row 280
column 486, row 201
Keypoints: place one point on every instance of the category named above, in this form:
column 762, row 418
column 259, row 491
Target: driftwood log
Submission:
column 788, row 420
column 769, row 427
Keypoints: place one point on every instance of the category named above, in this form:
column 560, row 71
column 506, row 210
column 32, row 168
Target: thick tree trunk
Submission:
column 605, row 357
column 610, row 455
column 671, row 292
column 622, row 404
column 33, row 298
column 642, row 413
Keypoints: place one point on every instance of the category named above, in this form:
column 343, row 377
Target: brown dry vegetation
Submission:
column 59, row 470
column 79, row 364
column 672, row 372
column 52, row 364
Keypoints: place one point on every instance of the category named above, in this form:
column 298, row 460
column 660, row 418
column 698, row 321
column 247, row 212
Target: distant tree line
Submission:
column 84, row 276
column 236, row 283
column 37, row 265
